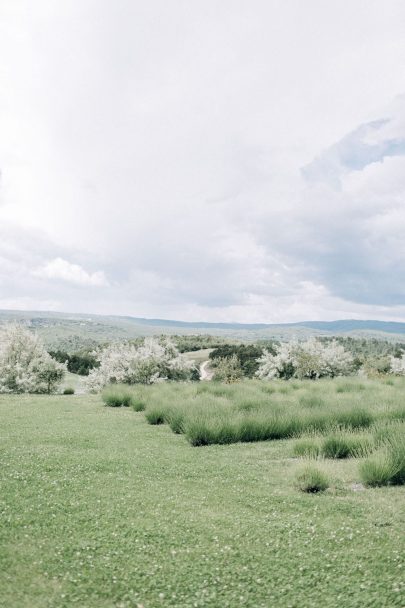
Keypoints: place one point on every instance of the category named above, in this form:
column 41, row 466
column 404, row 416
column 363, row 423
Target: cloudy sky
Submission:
column 202, row 160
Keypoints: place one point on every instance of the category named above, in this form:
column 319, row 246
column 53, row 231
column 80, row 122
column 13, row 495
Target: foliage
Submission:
column 189, row 343
column 77, row 363
column 311, row 359
column 25, row 366
column 153, row 361
column 312, row 480
column 397, row 365
column 248, row 354
column 227, row 369
column 69, row 390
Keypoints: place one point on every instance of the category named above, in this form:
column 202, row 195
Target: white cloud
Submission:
column 164, row 143
column 63, row 270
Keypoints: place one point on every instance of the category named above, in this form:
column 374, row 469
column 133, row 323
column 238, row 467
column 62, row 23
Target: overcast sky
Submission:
column 212, row 160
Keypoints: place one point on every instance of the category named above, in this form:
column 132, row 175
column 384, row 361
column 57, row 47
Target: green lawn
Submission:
column 100, row 509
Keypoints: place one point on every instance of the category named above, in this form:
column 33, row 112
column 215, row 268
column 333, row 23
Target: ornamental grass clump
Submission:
column 312, row 480
column 307, row 448
column 355, row 418
column 387, row 466
column 156, row 415
column 346, row 445
column 117, row 395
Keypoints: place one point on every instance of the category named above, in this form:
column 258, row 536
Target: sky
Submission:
column 238, row 161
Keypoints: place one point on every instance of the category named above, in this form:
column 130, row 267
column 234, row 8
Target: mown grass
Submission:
column 99, row 509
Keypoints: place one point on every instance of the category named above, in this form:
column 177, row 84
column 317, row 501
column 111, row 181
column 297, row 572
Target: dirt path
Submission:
column 205, row 372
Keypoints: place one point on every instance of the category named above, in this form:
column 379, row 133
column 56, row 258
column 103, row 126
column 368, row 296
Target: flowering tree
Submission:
column 227, row 369
column 25, row 365
column 311, row 359
column 397, row 365
column 154, row 361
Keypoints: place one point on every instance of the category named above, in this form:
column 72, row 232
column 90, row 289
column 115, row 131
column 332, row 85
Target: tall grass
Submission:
column 209, row 413
column 117, row 395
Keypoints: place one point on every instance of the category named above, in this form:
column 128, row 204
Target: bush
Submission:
column 312, row 480
column 77, row 363
column 227, row 369
column 149, row 363
column 69, row 391
column 310, row 359
column 25, row 365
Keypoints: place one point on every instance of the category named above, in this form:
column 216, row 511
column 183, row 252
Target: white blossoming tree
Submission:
column 25, row 365
column 311, row 359
column 154, row 361
column 397, row 365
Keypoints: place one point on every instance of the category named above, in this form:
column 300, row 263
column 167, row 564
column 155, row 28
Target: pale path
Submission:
column 205, row 374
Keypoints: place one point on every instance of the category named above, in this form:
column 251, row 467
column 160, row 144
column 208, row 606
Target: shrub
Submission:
column 397, row 365
column 311, row 359
column 312, row 480
column 148, row 363
column 227, row 369
column 25, row 365
column 77, row 363
column 69, row 391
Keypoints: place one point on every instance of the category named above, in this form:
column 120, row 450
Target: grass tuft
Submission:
column 307, row 448
column 312, row 480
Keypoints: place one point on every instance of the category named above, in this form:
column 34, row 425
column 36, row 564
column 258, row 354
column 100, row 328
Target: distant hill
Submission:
column 72, row 331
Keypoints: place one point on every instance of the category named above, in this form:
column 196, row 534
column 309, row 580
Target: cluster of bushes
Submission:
column 77, row 363
column 247, row 356
column 25, row 365
column 311, row 359
column 191, row 343
column 153, row 361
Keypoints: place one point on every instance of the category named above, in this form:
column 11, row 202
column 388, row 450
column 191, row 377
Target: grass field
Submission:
column 101, row 509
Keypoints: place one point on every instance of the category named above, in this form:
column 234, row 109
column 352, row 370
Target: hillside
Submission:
column 71, row 331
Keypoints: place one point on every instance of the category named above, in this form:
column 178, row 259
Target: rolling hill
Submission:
column 71, row 331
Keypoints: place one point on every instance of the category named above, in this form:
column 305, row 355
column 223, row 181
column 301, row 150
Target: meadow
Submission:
column 100, row 508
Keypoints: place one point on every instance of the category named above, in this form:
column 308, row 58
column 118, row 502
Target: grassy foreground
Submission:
column 100, row 509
